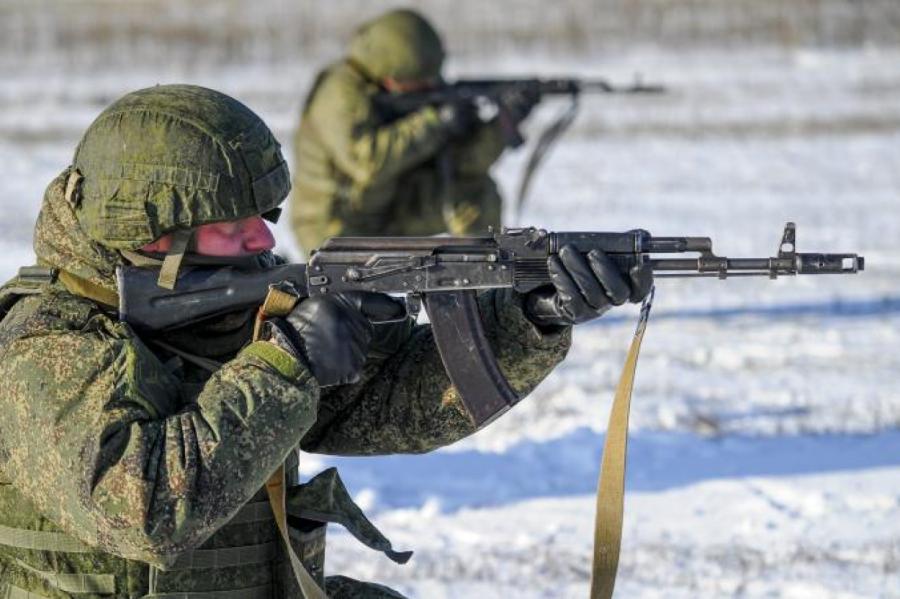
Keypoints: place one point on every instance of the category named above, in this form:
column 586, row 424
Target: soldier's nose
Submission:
column 257, row 236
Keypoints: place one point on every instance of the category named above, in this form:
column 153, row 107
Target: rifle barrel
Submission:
column 603, row 86
column 791, row 264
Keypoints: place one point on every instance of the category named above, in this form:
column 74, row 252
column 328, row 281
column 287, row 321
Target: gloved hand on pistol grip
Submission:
column 331, row 333
column 459, row 117
column 584, row 287
column 520, row 101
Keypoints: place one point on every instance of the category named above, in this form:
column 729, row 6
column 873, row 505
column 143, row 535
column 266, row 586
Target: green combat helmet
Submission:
column 168, row 159
column 400, row 44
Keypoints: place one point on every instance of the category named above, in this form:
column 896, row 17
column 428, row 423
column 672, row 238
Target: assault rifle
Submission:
column 493, row 91
column 445, row 273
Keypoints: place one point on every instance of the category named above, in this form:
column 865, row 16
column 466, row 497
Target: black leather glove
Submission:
column 584, row 287
column 459, row 117
column 519, row 101
column 332, row 332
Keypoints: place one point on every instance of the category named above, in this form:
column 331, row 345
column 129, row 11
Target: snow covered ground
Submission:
column 765, row 451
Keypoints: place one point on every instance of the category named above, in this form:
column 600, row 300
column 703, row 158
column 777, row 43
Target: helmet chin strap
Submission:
column 168, row 273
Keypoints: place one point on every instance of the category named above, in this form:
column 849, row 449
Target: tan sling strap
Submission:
column 84, row 288
column 275, row 487
column 280, row 303
column 102, row 295
column 141, row 260
column 611, row 486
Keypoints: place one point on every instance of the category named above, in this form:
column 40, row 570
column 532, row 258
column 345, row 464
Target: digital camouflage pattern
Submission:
column 141, row 456
column 137, row 456
column 360, row 171
column 185, row 156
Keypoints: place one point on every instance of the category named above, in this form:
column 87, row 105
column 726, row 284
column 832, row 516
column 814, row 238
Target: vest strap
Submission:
column 259, row 511
column 260, row 592
column 103, row 584
column 13, row 592
column 225, row 557
column 41, row 540
column 37, row 275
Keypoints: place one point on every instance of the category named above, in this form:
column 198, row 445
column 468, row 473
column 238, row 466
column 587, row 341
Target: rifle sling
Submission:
column 280, row 303
column 84, row 288
column 611, row 486
column 545, row 142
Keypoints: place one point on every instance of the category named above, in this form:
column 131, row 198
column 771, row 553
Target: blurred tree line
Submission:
column 81, row 33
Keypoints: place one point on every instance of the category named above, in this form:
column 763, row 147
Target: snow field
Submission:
column 808, row 536
column 765, row 456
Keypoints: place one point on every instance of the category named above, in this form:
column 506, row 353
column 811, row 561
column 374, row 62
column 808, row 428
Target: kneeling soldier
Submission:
column 362, row 171
column 133, row 464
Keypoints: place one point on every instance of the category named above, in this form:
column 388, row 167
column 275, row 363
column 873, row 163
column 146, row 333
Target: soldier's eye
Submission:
column 228, row 229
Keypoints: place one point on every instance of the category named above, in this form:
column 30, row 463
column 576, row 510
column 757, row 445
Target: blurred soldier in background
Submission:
column 362, row 171
column 133, row 463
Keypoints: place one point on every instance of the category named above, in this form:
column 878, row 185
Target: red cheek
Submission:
column 249, row 236
column 212, row 242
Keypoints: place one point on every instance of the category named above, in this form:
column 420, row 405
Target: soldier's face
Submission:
column 244, row 237
column 402, row 87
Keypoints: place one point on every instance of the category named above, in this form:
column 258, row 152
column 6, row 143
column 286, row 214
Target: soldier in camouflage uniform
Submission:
column 360, row 171
column 132, row 464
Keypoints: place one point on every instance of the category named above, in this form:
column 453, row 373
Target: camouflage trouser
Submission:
column 341, row 587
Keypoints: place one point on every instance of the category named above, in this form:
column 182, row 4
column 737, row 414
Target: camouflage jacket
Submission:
column 129, row 455
column 360, row 172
